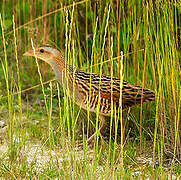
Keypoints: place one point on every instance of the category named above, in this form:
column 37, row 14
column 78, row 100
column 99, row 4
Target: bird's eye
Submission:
column 42, row 50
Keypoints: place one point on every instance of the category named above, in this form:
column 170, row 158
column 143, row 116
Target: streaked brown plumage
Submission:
column 131, row 94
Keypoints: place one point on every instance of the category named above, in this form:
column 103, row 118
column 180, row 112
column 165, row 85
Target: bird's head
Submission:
column 46, row 53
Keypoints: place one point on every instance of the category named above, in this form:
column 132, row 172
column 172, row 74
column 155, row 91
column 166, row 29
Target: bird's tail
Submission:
column 147, row 95
column 133, row 95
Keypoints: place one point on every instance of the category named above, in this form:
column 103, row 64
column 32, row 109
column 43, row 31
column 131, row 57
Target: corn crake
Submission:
column 86, row 85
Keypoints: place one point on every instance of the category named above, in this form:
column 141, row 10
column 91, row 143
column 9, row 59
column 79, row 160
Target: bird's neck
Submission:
column 61, row 69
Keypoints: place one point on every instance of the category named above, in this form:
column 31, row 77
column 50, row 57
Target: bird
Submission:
column 91, row 89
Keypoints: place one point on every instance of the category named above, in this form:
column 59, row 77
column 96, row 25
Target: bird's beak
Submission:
column 29, row 53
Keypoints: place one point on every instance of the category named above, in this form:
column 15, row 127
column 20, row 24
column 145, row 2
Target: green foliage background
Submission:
column 148, row 34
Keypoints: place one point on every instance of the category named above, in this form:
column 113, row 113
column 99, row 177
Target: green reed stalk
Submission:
column 121, row 110
column 6, row 75
column 65, row 87
column 96, row 147
column 19, row 83
column 44, row 95
column 61, row 119
column 112, row 105
column 91, row 69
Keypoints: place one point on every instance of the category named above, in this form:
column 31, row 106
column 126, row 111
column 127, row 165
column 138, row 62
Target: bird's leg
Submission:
column 103, row 124
column 124, row 120
column 118, row 132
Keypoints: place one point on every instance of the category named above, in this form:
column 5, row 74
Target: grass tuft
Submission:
column 40, row 127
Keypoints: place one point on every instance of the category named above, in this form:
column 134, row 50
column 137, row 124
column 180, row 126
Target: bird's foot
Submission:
column 90, row 140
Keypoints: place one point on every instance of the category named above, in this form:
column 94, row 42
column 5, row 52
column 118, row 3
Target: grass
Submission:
column 44, row 126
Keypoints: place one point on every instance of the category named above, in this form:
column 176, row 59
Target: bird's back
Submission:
column 89, row 88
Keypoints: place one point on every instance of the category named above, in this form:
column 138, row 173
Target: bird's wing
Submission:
column 110, row 89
